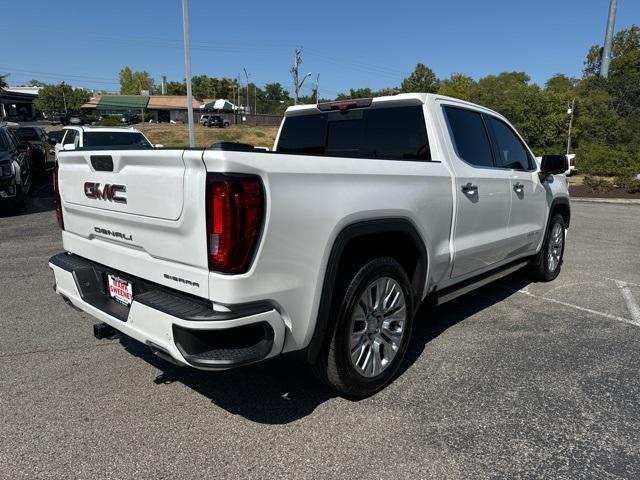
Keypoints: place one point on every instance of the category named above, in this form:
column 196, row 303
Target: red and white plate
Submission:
column 120, row 290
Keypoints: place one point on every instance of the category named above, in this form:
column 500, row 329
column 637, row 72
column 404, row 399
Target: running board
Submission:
column 465, row 287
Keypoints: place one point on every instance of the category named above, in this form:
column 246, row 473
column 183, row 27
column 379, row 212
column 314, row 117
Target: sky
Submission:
column 349, row 43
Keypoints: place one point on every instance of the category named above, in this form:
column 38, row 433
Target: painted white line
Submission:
column 632, row 306
column 623, row 281
column 584, row 309
column 525, row 291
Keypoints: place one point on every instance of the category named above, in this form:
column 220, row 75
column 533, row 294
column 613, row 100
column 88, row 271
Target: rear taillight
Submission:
column 235, row 212
column 56, row 198
column 572, row 162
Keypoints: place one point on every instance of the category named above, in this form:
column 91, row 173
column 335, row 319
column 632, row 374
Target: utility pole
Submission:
column 570, row 110
column 608, row 40
column 187, row 70
column 297, row 60
column 247, row 77
column 318, row 88
column 239, row 88
column 255, row 100
column 64, row 100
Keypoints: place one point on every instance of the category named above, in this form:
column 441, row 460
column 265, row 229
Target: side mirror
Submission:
column 553, row 165
column 69, row 146
column 158, row 145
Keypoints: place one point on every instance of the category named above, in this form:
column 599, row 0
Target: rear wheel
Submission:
column 20, row 200
column 372, row 329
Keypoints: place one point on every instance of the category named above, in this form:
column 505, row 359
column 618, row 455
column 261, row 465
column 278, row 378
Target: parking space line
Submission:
column 584, row 309
column 632, row 306
column 525, row 291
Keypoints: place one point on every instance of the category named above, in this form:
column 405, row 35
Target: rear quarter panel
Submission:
column 309, row 201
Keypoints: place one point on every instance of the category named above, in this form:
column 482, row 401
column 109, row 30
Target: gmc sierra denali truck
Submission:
column 324, row 246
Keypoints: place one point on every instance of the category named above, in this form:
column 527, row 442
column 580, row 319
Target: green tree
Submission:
column 275, row 99
column 54, row 98
column 357, row 93
column 624, row 83
column 132, row 83
column 624, row 41
column 3, row 81
column 511, row 94
column 457, row 86
column 423, row 80
column 560, row 83
column 176, row 88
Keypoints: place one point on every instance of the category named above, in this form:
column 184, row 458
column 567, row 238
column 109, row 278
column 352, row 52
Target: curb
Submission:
column 623, row 201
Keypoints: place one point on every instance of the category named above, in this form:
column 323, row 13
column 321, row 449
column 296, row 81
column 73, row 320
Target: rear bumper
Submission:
column 171, row 323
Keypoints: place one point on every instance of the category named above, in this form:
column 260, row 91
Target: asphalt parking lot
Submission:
column 513, row 380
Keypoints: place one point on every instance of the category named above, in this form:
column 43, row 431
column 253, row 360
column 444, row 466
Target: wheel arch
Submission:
column 350, row 238
column 562, row 206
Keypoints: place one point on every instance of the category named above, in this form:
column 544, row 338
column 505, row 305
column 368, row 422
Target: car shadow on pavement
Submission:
column 431, row 321
column 40, row 199
column 283, row 390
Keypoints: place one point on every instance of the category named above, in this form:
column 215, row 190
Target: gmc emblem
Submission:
column 112, row 193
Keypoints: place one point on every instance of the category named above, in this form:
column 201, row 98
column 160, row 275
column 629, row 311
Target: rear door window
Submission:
column 511, row 152
column 469, row 136
column 392, row 133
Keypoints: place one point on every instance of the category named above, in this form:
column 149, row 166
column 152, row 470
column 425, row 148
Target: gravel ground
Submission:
column 512, row 380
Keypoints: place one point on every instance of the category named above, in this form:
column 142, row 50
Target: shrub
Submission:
column 109, row 122
column 630, row 185
column 597, row 184
column 603, row 160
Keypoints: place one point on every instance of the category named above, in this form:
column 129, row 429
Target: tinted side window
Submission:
column 396, row 133
column 511, row 153
column 469, row 136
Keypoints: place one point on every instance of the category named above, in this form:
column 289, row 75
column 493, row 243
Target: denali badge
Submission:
column 121, row 235
column 112, row 193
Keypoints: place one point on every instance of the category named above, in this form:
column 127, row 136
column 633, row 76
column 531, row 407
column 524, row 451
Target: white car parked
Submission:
column 102, row 137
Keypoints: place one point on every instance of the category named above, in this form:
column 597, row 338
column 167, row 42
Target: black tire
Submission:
column 541, row 269
column 20, row 200
column 334, row 365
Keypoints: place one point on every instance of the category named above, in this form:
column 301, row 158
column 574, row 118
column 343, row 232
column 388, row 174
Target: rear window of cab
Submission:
column 388, row 133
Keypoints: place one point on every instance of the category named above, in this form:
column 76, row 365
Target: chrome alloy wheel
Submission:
column 377, row 326
column 556, row 244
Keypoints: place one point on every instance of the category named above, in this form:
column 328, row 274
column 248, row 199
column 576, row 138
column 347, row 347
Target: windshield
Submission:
column 4, row 145
column 114, row 139
column 27, row 134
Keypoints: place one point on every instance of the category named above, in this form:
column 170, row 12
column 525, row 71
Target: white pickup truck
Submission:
column 325, row 246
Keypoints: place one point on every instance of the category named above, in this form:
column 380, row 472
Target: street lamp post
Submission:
column 300, row 86
column 187, row 71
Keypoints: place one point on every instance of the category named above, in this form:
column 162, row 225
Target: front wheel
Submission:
column 372, row 329
column 546, row 265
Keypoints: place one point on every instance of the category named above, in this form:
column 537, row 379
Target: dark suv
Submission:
column 216, row 121
column 15, row 171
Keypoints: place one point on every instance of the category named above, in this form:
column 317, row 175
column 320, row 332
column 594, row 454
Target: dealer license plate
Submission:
column 120, row 290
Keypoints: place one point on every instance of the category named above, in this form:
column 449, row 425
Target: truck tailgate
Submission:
column 141, row 211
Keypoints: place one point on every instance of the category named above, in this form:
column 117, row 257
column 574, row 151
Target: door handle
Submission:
column 469, row 189
column 518, row 187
